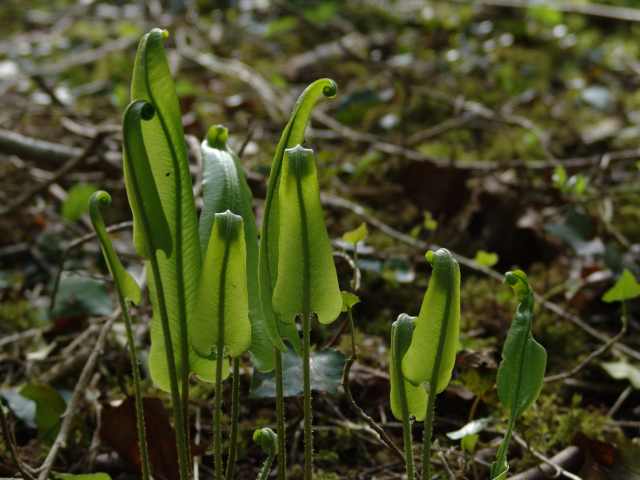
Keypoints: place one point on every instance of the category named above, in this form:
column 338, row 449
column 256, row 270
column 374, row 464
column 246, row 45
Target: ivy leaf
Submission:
column 486, row 259
column 78, row 296
column 50, row 406
column 307, row 279
column 326, row 375
column 224, row 187
column 438, row 324
column 406, row 398
column 349, row 300
column 292, row 135
column 625, row 288
column 356, row 235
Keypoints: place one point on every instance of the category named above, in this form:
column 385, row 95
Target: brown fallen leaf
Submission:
column 118, row 431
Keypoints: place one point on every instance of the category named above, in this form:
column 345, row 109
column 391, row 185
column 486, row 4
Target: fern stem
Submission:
column 263, row 474
column 235, row 416
column 308, row 418
column 181, row 438
column 217, row 414
column 280, row 417
column 137, row 393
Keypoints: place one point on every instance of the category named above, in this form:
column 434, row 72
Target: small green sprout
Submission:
column 431, row 356
column 407, row 400
column 521, row 371
column 268, row 442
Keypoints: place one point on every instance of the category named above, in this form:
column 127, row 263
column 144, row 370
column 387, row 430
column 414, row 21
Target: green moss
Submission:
column 553, row 422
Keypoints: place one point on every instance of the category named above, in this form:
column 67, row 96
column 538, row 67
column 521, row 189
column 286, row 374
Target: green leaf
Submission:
column 438, row 325
column 168, row 166
column 625, row 288
column 521, row 372
column 293, row 134
column 75, row 205
column 406, row 398
column 356, row 235
column 623, row 370
column 349, row 300
column 222, row 300
column 307, row 279
column 486, row 259
column 125, row 284
column 469, row 442
column 79, row 296
column 326, row 375
column 49, row 409
column 224, row 187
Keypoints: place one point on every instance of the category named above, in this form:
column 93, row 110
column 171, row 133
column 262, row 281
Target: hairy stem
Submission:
column 181, row 437
column 280, row 414
column 263, row 474
column 217, row 414
column 308, row 419
column 235, row 416
column 137, row 389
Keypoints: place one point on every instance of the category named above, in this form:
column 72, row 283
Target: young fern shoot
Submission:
column 292, row 135
column 221, row 325
column 521, row 372
column 268, row 441
column 407, row 400
column 307, row 281
column 225, row 188
column 128, row 291
column 153, row 237
column 432, row 352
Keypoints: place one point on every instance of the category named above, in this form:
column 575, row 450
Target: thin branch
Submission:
column 590, row 9
column 78, row 392
column 69, row 165
column 595, row 354
column 10, row 444
column 359, row 210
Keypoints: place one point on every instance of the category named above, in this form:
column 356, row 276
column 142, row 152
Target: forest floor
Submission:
column 505, row 133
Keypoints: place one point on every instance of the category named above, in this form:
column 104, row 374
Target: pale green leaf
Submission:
column 224, row 187
column 356, row 235
column 221, row 313
column 406, row 399
column 471, row 428
column 163, row 139
column 292, row 135
column 307, row 280
column 623, row 370
column 625, row 288
column 469, row 442
column 438, row 325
